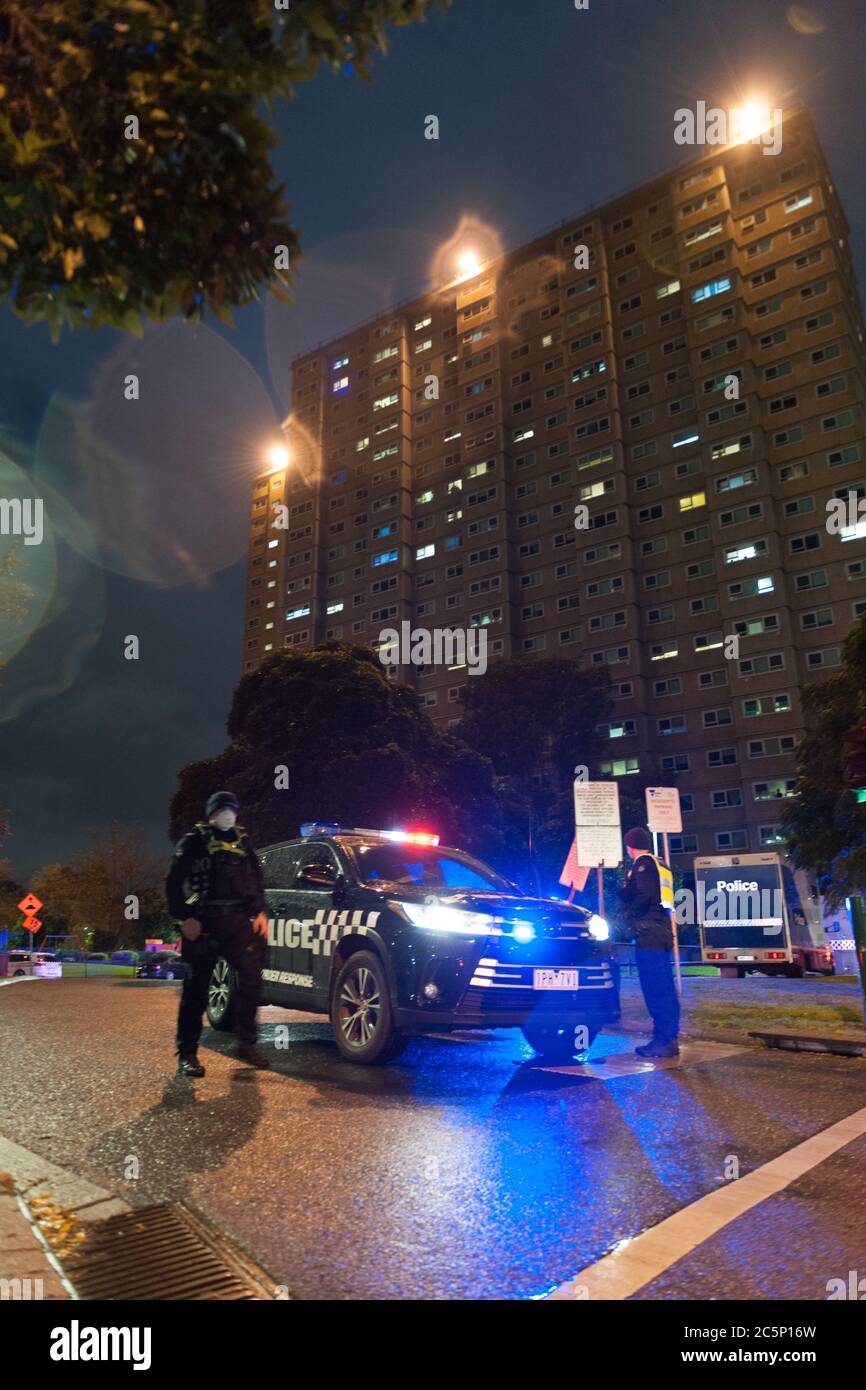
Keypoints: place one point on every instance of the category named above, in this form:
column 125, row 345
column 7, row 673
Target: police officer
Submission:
column 647, row 901
column 214, row 886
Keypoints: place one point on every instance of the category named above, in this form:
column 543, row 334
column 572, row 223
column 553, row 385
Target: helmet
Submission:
column 219, row 801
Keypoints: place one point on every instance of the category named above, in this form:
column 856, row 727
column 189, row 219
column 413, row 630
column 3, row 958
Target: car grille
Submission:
column 505, row 987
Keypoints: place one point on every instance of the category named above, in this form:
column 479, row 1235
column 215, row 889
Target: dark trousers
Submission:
column 656, row 971
column 230, row 936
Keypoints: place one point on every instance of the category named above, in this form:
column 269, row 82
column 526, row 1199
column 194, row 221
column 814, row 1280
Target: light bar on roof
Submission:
column 406, row 837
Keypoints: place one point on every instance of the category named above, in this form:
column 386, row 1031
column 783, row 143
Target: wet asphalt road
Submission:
column 464, row 1170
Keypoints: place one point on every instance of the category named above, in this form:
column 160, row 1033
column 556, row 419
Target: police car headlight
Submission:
column 599, row 927
column 436, row 916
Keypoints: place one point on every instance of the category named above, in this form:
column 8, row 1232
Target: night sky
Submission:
column 544, row 111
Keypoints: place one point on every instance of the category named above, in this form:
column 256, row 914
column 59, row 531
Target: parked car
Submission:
column 33, row 963
column 161, row 965
column 71, row 956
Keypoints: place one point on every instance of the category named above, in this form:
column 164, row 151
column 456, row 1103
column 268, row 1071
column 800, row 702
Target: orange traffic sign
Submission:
column 31, row 924
column 30, row 904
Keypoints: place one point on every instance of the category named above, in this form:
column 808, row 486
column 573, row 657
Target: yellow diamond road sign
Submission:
column 30, row 904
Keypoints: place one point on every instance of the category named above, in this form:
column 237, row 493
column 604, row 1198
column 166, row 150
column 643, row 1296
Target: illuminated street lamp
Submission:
column 468, row 265
column 277, row 457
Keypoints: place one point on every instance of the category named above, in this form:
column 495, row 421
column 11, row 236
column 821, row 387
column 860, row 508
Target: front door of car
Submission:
column 278, row 871
column 312, row 900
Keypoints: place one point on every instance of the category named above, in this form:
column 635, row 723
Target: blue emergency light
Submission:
column 411, row 837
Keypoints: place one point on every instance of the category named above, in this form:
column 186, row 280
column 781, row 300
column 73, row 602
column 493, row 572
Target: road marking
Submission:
column 19, row 979
column 629, row 1064
column 639, row 1260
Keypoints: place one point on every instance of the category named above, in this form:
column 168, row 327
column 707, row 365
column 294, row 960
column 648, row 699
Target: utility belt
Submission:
column 219, row 907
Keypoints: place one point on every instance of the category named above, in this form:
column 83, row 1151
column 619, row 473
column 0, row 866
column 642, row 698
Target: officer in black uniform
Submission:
column 214, row 886
column 646, row 900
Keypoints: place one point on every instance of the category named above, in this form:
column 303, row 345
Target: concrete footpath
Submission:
column 26, row 1269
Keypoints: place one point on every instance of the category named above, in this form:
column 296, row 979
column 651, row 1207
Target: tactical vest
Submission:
column 222, row 871
column 666, row 880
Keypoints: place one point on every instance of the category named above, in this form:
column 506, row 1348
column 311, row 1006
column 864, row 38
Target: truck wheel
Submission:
column 794, row 971
column 222, row 996
column 361, row 1012
column 556, row 1043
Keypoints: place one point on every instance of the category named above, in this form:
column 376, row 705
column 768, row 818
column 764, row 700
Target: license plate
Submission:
column 555, row 979
column 745, row 958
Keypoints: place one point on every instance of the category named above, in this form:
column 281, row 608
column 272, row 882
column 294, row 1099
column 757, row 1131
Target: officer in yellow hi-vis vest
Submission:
column 647, row 902
column 214, row 887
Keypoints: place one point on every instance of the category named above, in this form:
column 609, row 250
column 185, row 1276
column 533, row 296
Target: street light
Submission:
column 751, row 121
column 468, row 265
column 277, row 457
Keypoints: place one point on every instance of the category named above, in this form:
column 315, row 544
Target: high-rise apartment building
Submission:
column 696, row 380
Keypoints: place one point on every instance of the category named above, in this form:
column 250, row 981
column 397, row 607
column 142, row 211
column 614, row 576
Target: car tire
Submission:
column 556, row 1043
column 222, row 996
column 367, row 1036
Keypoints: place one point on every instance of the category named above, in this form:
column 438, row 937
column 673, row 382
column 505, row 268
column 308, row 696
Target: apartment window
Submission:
column 732, row 839
column 620, row 767
column 772, row 747
column 675, row 762
column 692, row 501
column 751, row 550
column 672, row 724
column 767, row 704
column 725, row 798
column 823, row 660
column 751, row 588
column 683, row 844
column 672, row 686
column 762, row 665
column 662, row 651
column 775, row 789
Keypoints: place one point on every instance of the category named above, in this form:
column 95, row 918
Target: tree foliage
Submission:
column 824, row 826
column 90, row 891
column 355, row 748
column 100, row 229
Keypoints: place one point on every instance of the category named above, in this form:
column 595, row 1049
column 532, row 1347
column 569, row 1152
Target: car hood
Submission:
column 545, row 914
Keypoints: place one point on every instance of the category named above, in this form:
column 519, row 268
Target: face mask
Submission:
column 224, row 820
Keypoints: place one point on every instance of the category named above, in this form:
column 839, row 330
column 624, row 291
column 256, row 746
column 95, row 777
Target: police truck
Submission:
column 752, row 918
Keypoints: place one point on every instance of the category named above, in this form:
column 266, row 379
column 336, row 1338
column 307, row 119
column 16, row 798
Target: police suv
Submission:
column 392, row 935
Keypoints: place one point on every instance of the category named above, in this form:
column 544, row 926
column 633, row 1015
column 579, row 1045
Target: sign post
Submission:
column 29, row 906
column 598, row 834
column 664, row 815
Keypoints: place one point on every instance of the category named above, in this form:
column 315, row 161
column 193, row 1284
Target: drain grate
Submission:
column 162, row 1252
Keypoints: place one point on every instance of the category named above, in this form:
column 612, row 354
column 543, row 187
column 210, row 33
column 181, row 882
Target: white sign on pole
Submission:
column 663, row 810
column 597, row 826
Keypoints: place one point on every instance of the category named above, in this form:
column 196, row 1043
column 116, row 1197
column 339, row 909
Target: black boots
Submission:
column 189, row 1065
column 658, row 1049
column 248, row 1052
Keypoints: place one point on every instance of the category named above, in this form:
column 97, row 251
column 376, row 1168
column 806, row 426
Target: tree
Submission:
column 134, row 164
column 824, row 825
column 11, row 893
column 535, row 719
column 91, row 892
column 323, row 735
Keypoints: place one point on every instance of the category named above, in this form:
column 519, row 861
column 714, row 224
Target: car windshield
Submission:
column 423, row 866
